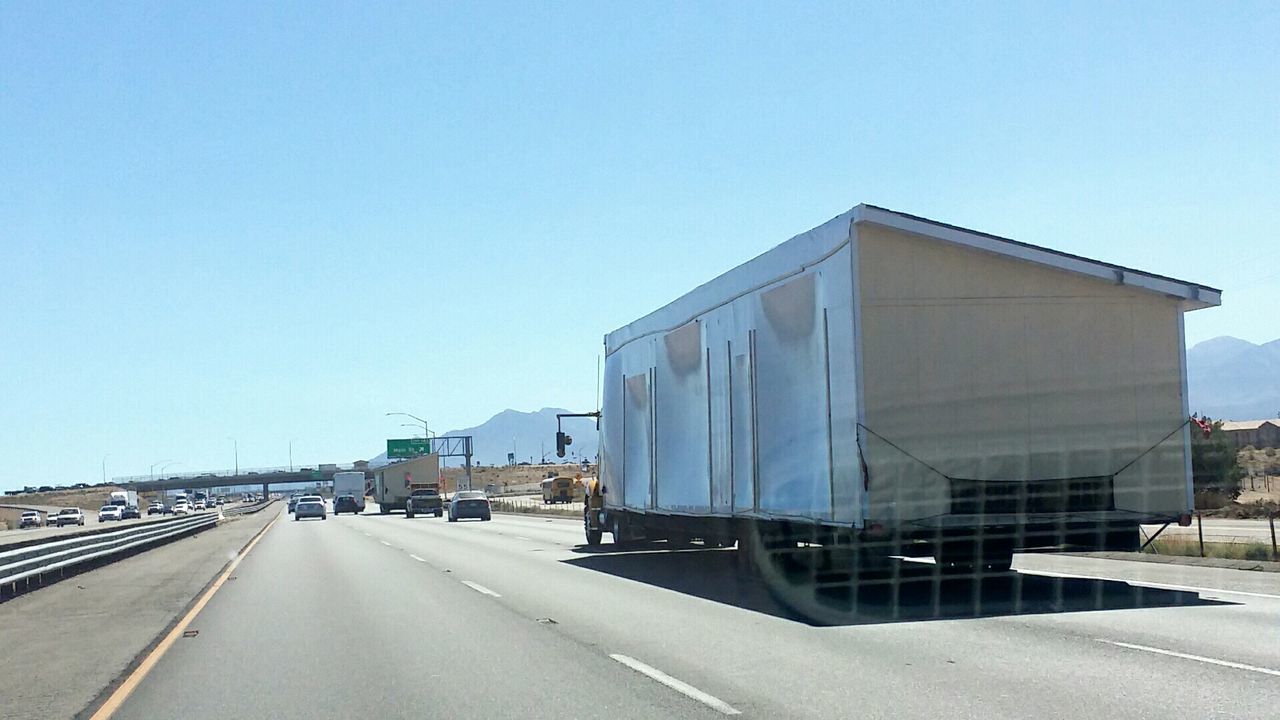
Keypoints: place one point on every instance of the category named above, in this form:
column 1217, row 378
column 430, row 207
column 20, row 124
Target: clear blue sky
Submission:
column 225, row 220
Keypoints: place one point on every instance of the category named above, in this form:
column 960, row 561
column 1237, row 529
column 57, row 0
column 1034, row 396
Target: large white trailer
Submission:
column 350, row 483
column 889, row 382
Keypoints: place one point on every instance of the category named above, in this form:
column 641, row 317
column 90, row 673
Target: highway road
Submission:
column 381, row 615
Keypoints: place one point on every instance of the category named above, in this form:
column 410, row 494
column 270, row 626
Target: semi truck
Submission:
column 350, row 483
column 886, row 385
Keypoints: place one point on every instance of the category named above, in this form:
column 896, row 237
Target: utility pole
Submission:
column 104, row 469
column 290, row 456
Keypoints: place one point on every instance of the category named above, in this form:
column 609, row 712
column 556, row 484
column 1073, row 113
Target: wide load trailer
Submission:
column 393, row 484
column 902, row 386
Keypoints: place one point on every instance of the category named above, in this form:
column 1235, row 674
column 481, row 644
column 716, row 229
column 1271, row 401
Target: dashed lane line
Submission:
column 480, row 588
column 1197, row 658
column 679, row 686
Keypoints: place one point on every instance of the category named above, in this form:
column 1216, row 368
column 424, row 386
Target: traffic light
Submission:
column 562, row 439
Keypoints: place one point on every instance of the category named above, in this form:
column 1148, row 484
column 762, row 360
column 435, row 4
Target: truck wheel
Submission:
column 594, row 537
column 439, row 513
column 408, row 513
column 383, row 509
column 619, row 532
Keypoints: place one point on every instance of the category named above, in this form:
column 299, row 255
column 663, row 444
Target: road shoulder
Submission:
column 80, row 636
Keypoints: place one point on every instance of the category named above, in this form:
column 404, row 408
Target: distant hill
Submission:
column 530, row 433
column 1234, row 379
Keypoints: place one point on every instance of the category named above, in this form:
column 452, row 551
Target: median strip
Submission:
column 679, row 686
column 1197, row 658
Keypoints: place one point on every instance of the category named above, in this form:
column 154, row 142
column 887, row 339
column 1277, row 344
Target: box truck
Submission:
column 891, row 385
column 350, row 483
column 123, row 498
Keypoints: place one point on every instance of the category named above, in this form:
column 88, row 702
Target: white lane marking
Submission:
column 384, row 542
column 415, row 557
column 368, row 534
column 678, row 685
column 521, row 537
column 1198, row 658
column 480, row 588
column 1143, row 583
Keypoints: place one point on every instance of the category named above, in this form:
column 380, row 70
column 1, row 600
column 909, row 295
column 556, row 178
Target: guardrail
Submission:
column 535, row 506
column 38, row 561
column 247, row 509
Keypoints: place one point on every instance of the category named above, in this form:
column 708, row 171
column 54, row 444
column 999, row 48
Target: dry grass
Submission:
column 85, row 498
column 518, row 479
column 1186, row 547
column 532, row 508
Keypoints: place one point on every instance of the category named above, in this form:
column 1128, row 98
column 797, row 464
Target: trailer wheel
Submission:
column 619, row 531
column 383, row 509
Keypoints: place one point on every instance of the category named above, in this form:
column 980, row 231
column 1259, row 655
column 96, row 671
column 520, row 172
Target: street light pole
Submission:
column 290, row 456
column 104, row 469
column 426, row 430
column 236, row 448
column 153, row 468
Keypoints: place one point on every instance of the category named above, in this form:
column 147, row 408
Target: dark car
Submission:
column 130, row 512
column 293, row 502
column 469, row 504
column 425, row 501
column 345, row 503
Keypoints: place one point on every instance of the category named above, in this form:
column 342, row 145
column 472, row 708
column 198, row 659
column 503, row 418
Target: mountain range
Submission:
column 527, row 434
column 1233, row 379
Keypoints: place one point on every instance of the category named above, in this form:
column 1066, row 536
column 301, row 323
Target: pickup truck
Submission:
column 30, row 518
column 424, row 500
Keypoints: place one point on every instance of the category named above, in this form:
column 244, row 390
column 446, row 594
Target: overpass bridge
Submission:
column 264, row 477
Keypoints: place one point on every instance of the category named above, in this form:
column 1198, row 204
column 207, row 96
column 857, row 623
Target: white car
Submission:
column 199, row 505
column 110, row 512
column 310, row 506
column 181, row 508
column 70, row 516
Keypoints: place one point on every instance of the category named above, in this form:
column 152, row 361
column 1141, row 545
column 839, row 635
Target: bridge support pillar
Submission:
column 264, row 491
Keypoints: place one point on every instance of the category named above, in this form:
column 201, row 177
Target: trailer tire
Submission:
column 383, row 509
column 619, row 531
column 439, row 513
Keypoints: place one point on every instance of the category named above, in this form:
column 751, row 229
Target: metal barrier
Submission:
column 36, row 561
column 247, row 509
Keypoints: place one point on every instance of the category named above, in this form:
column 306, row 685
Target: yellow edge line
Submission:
column 127, row 687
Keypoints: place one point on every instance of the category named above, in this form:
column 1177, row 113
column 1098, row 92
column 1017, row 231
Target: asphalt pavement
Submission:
column 370, row 614
column 65, row 643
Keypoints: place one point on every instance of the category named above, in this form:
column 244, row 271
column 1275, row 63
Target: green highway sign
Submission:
column 408, row 448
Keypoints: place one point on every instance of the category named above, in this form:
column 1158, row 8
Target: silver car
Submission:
column 310, row 506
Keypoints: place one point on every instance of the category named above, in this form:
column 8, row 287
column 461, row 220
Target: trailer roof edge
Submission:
column 1193, row 295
